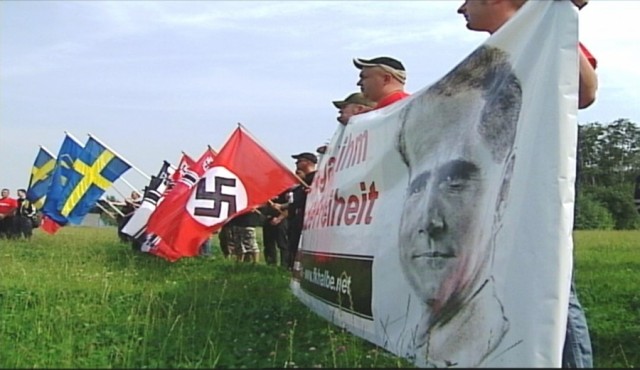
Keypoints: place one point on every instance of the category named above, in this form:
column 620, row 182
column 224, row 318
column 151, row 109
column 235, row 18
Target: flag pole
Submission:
column 47, row 151
column 129, row 184
column 73, row 138
column 111, row 205
column 121, row 157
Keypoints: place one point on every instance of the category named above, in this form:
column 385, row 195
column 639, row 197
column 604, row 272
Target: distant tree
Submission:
column 609, row 162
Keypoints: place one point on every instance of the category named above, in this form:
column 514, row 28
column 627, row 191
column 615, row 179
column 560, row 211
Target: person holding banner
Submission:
column 353, row 104
column 382, row 80
column 459, row 178
column 489, row 17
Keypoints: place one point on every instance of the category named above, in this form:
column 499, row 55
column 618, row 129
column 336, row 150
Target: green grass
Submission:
column 81, row 299
column 608, row 282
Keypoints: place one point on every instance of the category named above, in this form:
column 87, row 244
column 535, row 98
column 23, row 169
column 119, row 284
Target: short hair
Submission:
column 486, row 69
column 22, row 190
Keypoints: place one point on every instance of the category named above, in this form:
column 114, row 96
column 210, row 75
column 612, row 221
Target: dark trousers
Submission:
column 226, row 240
column 23, row 227
column 8, row 228
column 274, row 238
column 295, row 231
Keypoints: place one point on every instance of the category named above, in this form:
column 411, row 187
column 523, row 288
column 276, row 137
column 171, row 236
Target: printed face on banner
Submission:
column 457, row 141
column 447, row 208
column 218, row 194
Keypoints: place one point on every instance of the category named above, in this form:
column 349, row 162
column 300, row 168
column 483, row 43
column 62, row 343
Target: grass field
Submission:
column 81, row 299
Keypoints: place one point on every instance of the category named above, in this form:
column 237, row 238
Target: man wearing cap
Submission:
column 382, row 80
column 353, row 104
column 305, row 165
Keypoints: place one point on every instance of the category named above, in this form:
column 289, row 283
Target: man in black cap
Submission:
column 353, row 104
column 382, row 80
column 306, row 167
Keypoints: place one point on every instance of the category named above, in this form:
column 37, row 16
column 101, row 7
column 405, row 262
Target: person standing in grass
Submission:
column 489, row 16
column 25, row 215
column 8, row 209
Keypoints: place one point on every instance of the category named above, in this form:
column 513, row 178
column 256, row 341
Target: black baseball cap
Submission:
column 306, row 155
column 377, row 62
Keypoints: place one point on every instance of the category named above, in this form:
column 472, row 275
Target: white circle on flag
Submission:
column 217, row 195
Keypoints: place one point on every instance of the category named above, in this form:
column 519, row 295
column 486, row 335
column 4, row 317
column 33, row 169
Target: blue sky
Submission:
column 154, row 78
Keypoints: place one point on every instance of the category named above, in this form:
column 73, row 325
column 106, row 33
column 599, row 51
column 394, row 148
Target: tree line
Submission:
column 608, row 169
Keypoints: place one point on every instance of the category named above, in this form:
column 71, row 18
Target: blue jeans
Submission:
column 577, row 351
column 205, row 248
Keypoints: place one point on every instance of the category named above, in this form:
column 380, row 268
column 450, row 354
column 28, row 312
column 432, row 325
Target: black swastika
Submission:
column 217, row 196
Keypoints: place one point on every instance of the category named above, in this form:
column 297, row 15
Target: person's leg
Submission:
column 269, row 233
column 577, row 352
column 282, row 241
column 26, row 228
column 224, row 237
column 205, row 248
column 250, row 244
column 294, row 239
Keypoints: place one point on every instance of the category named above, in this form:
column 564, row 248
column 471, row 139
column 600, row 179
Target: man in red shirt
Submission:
column 489, row 16
column 382, row 80
column 8, row 208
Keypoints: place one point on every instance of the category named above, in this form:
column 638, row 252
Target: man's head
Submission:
column 305, row 162
column 457, row 140
column 488, row 15
column 22, row 193
column 353, row 104
column 380, row 77
column 5, row 193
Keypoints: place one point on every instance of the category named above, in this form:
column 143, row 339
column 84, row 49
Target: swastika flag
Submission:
column 243, row 175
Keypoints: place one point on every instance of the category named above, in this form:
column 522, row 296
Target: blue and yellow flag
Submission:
column 40, row 179
column 68, row 153
column 94, row 171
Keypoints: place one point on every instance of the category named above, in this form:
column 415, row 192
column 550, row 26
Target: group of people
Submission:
column 382, row 83
column 18, row 216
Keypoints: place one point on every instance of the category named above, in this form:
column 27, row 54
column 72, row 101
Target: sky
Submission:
column 153, row 79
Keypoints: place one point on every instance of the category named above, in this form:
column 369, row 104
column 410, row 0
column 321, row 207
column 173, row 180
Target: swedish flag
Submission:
column 40, row 178
column 94, row 171
column 69, row 151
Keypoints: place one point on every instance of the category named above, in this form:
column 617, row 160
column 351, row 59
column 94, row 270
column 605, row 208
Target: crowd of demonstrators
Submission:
column 17, row 215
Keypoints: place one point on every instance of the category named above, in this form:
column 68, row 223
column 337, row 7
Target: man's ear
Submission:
column 503, row 194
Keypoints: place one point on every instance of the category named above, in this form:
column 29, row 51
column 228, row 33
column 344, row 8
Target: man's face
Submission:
column 347, row 111
column 477, row 13
column 448, row 209
column 302, row 165
column 5, row 193
column 372, row 82
column 22, row 194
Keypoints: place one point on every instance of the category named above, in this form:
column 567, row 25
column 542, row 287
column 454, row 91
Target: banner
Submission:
column 440, row 227
column 40, row 179
column 137, row 224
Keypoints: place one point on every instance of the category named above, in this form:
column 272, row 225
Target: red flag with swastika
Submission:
column 163, row 220
column 244, row 175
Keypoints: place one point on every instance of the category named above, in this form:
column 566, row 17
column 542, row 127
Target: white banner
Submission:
column 440, row 227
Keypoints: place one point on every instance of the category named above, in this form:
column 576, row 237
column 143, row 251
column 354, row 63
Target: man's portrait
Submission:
column 457, row 140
